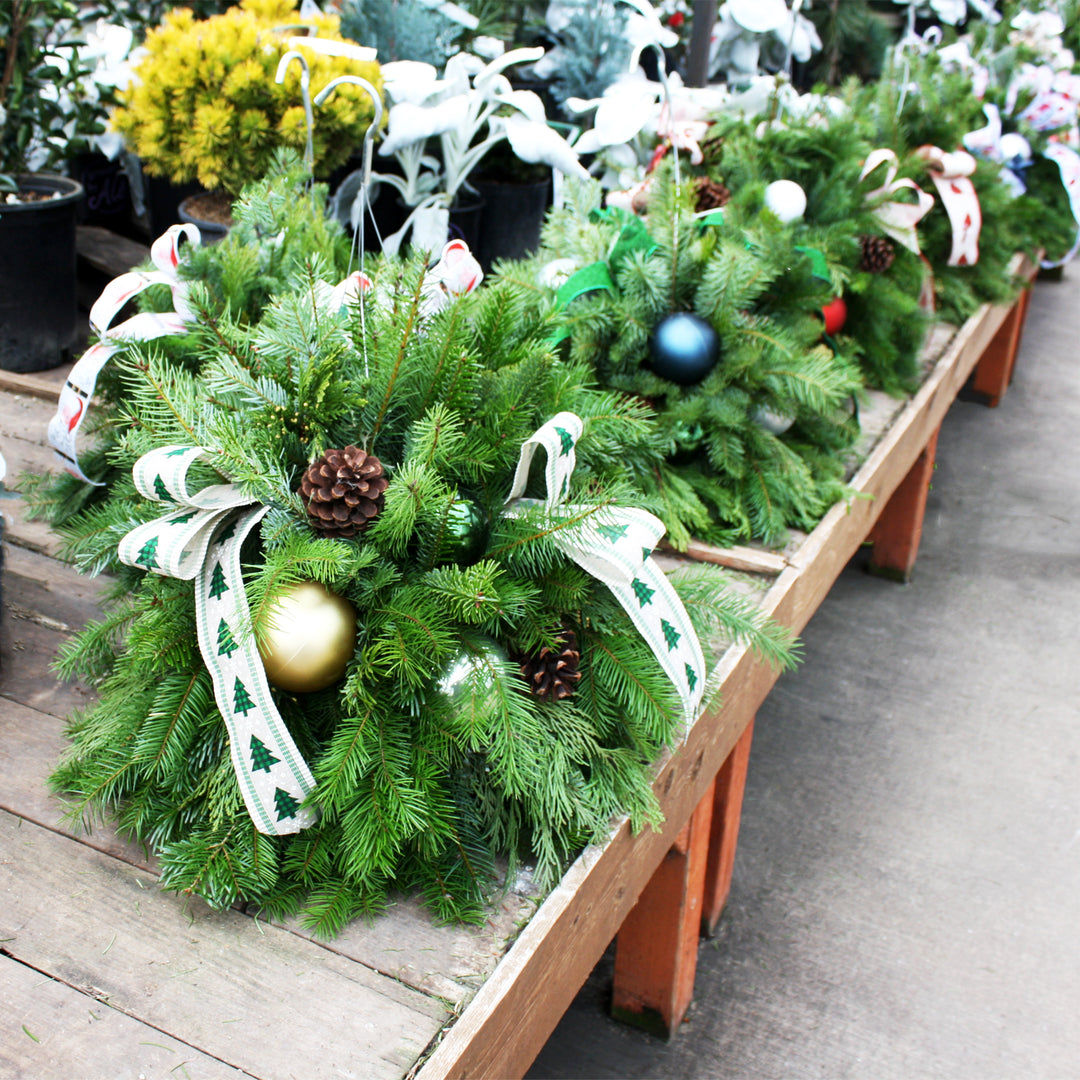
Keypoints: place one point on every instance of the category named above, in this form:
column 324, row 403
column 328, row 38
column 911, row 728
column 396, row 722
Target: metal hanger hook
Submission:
column 305, row 93
column 376, row 101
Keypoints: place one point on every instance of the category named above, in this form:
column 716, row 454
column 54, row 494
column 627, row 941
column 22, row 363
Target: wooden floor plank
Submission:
column 48, row 1031
column 259, row 998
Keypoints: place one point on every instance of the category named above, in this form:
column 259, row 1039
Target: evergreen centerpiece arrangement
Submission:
column 718, row 329
column 878, row 278
column 205, row 105
column 484, row 694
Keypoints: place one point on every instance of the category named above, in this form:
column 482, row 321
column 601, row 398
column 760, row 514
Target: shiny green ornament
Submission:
column 688, row 439
column 470, row 679
column 463, row 537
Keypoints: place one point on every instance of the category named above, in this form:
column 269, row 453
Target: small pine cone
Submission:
column 877, row 254
column 343, row 491
column 711, row 195
column 553, row 674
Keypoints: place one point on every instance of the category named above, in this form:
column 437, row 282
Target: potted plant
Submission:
column 204, row 105
column 470, row 110
column 38, row 305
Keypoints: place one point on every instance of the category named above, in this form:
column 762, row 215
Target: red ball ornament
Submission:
column 835, row 315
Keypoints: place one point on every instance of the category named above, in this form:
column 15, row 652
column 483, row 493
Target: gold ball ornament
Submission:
column 310, row 638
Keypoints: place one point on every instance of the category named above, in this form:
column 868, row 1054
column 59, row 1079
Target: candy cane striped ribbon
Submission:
column 200, row 540
column 615, row 545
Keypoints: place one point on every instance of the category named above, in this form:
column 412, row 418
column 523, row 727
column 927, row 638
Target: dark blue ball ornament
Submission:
column 684, row 347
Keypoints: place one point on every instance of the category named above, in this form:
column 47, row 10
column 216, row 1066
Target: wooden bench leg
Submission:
column 898, row 529
column 724, row 833
column 656, row 950
column 994, row 371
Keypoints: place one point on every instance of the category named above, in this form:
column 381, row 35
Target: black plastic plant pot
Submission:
column 513, row 217
column 39, row 318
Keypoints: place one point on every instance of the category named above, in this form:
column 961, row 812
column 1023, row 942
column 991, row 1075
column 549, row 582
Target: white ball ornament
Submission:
column 786, row 200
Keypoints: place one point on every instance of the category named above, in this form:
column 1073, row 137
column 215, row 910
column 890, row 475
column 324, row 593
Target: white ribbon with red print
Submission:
column 897, row 219
column 951, row 174
column 79, row 388
column 1012, row 151
column 456, row 273
column 1068, row 163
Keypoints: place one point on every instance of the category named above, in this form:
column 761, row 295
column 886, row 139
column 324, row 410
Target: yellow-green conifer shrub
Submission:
column 205, row 105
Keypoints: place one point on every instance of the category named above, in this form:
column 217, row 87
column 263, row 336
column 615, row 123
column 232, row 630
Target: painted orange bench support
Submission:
column 657, row 946
column 724, row 834
column 994, row 371
column 898, row 529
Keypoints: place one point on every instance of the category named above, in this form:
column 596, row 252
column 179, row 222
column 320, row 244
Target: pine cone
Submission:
column 711, row 195
column 554, row 673
column 343, row 491
column 877, row 254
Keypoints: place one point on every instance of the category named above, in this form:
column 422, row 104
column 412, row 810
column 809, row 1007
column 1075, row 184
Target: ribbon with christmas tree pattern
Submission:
column 200, row 540
column 77, row 391
column 615, row 545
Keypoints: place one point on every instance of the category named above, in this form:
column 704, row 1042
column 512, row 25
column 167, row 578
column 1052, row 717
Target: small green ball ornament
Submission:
column 688, row 439
column 471, row 676
column 463, row 536
column 684, row 348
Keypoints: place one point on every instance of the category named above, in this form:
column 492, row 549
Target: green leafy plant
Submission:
column 32, row 73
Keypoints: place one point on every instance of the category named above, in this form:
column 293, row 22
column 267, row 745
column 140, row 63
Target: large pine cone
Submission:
column 877, row 254
column 711, row 195
column 553, row 674
column 343, row 491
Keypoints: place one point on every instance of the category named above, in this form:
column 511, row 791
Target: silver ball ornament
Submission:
column 471, row 677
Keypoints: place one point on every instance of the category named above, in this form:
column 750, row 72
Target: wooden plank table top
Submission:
column 91, row 947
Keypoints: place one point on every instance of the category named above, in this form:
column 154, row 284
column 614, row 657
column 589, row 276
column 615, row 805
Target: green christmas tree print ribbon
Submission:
column 200, row 541
column 615, row 545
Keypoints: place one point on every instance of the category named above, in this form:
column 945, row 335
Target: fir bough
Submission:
column 419, row 784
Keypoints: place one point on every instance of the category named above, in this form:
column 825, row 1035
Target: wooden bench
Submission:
column 100, row 970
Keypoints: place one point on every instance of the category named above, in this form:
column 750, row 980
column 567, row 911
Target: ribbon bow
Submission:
column 951, row 174
column 897, row 219
column 1012, row 151
column 79, row 387
column 201, row 540
column 615, row 545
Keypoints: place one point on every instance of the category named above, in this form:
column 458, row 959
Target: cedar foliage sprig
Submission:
column 417, row 787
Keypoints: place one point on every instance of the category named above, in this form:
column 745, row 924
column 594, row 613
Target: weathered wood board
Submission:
column 48, row 1030
column 255, row 996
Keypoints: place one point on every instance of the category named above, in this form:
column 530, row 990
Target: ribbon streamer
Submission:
column 1068, row 163
column 79, row 388
column 200, row 540
column 615, row 546
column 951, row 174
column 1012, row 152
column 897, row 219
